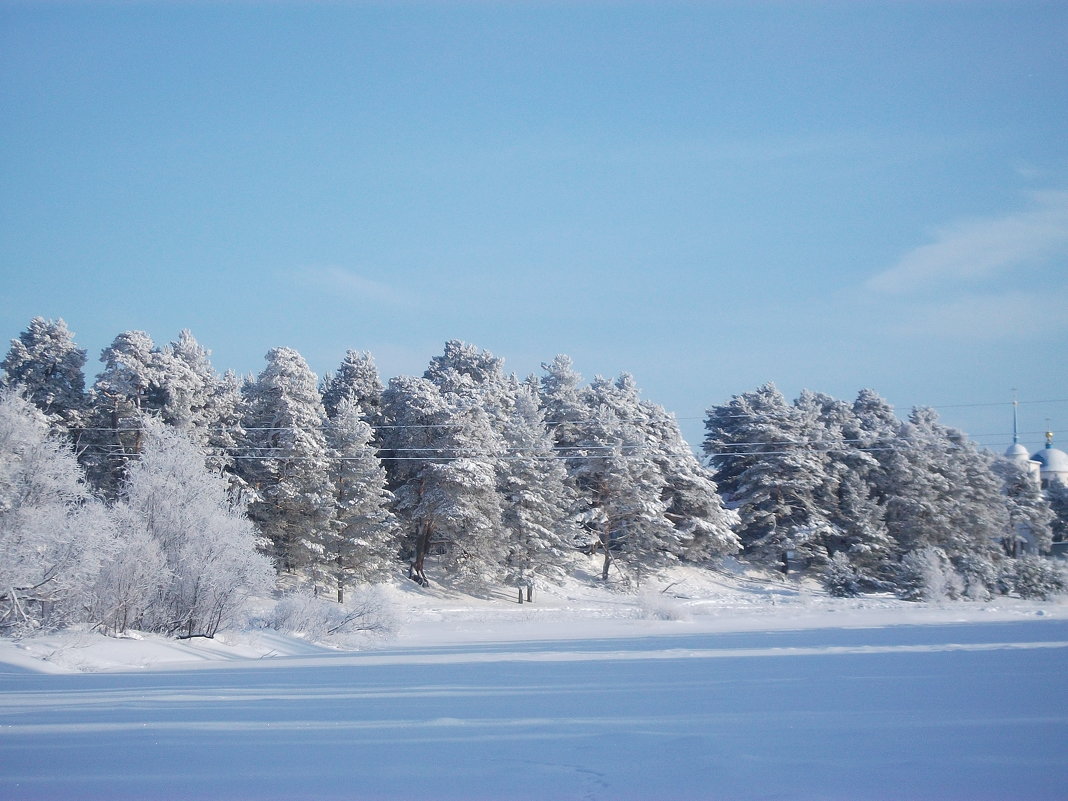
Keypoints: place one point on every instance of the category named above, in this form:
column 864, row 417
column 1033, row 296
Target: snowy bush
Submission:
column 978, row 575
column 317, row 619
column 654, row 605
column 1033, row 576
column 927, row 575
column 840, row 578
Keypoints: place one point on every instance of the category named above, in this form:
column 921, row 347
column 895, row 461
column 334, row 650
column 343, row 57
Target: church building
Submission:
column 1047, row 465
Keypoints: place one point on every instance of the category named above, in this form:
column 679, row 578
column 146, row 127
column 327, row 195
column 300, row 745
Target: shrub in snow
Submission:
column 368, row 611
column 1035, row 577
column 978, row 575
column 840, row 578
column 927, row 575
column 658, row 606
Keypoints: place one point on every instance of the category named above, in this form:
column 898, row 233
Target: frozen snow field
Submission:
column 792, row 698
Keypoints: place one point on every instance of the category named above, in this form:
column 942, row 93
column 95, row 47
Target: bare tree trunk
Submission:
column 340, row 581
column 606, row 538
column 422, row 547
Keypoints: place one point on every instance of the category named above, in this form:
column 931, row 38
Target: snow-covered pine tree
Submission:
column 441, row 454
column 1057, row 495
column 864, row 431
column 130, row 386
column 704, row 528
column 200, row 403
column 1030, row 514
column 287, row 466
column 941, row 495
column 456, row 515
column 212, row 564
column 562, row 400
column 226, row 431
column 538, row 504
column 49, row 367
column 54, row 537
column 188, row 384
column 368, row 533
column 613, row 470
column 770, row 473
column 356, row 380
column 466, row 372
column 844, row 499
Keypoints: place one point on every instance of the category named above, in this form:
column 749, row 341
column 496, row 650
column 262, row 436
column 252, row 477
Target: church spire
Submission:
column 1015, row 421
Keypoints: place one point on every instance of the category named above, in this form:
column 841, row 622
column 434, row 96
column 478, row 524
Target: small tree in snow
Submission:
column 840, row 578
column 1033, row 576
column 367, row 536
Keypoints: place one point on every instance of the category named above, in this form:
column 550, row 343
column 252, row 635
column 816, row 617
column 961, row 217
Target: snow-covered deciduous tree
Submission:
column 368, row 612
column 209, row 547
column 49, row 367
column 54, row 537
column 287, row 466
column 926, row 574
column 368, row 535
column 130, row 584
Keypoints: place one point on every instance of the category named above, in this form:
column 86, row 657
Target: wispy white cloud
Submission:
column 991, row 317
column 973, row 250
column 338, row 279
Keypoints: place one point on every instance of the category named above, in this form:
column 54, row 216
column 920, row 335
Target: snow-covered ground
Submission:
column 698, row 686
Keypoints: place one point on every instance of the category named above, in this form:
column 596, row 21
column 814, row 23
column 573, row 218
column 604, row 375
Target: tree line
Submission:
column 470, row 471
column 881, row 504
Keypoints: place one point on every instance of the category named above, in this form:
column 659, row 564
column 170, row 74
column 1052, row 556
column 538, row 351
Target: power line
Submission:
column 912, row 406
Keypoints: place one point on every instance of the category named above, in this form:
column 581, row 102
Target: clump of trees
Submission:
column 170, row 554
column 875, row 503
column 163, row 493
column 466, row 470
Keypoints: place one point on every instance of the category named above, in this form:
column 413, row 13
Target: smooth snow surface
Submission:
column 582, row 695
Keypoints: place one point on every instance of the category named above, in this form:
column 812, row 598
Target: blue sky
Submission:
column 828, row 195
